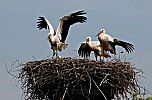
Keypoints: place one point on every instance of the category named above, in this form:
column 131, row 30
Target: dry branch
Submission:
column 71, row 78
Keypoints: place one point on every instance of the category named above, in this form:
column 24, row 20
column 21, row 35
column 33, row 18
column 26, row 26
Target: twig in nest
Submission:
column 65, row 92
column 89, row 83
column 99, row 89
column 103, row 79
column 54, row 78
column 11, row 70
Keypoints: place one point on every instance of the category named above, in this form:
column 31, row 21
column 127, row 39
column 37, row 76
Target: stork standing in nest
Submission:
column 88, row 46
column 57, row 38
column 108, row 43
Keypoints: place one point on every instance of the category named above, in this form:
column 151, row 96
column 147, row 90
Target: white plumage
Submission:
column 108, row 43
column 88, row 46
column 104, row 37
column 57, row 38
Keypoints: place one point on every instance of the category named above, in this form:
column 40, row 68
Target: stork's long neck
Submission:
column 101, row 34
column 89, row 43
column 92, row 45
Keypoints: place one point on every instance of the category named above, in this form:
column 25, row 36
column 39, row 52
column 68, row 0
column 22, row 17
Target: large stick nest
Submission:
column 73, row 79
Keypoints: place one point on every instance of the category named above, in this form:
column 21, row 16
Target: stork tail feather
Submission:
column 62, row 46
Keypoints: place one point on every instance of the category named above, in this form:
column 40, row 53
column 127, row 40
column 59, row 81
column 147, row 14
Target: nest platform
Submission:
column 77, row 79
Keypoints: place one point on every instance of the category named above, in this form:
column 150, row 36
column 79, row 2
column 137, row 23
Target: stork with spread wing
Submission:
column 109, row 43
column 88, row 46
column 57, row 38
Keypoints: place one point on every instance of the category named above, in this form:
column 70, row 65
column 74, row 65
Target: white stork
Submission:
column 88, row 46
column 57, row 38
column 108, row 43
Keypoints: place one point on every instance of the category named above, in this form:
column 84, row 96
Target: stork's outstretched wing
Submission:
column 66, row 21
column 84, row 50
column 127, row 46
column 44, row 23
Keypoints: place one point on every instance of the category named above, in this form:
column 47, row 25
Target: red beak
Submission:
column 99, row 33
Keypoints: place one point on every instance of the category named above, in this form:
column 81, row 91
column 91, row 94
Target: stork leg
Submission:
column 57, row 54
column 103, row 53
column 96, row 56
column 108, row 54
column 53, row 53
column 100, row 58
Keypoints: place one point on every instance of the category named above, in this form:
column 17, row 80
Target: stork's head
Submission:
column 88, row 39
column 102, row 31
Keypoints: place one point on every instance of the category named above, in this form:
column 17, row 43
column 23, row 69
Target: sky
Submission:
column 128, row 20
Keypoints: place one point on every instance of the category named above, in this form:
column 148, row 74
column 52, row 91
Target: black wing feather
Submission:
column 84, row 50
column 64, row 31
column 70, row 20
column 81, row 12
column 113, row 51
column 42, row 23
column 127, row 46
